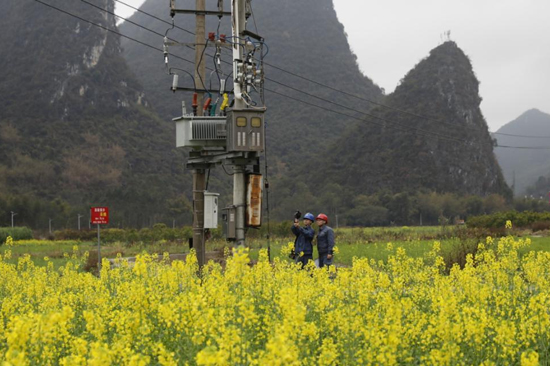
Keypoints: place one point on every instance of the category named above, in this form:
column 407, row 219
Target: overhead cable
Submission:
column 419, row 131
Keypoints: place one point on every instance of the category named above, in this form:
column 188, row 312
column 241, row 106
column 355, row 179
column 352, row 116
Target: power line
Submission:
column 317, row 82
column 424, row 132
column 522, row 136
column 312, row 95
column 118, row 16
column 372, row 116
column 282, row 84
column 152, row 16
column 105, row 28
column 525, row 147
column 309, row 79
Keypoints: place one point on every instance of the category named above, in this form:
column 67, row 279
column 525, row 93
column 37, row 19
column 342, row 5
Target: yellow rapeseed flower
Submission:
column 493, row 309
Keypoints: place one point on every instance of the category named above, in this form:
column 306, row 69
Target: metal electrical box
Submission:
column 229, row 228
column 254, row 200
column 245, row 130
column 201, row 131
column 211, row 210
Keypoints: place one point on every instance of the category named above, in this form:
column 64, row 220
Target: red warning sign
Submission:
column 99, row 215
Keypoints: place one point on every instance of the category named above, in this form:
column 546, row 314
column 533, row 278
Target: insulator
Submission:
column 207, row 104
column 225, row 102
column 165, row 50
column 175, row 82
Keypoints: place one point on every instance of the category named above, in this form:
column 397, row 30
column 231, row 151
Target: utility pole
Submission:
column 199, row 185
column 50, row 225
column 200, row 36
column 79, row 216
column 226, row 133
column 239, row 178
column 199, row 173
column 12, row 216
column 514, row 185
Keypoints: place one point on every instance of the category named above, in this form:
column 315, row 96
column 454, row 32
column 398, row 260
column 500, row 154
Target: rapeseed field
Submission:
column 494, row 311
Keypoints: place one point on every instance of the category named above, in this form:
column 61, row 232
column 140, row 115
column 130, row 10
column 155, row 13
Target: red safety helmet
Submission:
column 322, row 217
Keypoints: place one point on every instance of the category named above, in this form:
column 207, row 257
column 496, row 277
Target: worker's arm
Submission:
column 296, row 229
column 330, row 239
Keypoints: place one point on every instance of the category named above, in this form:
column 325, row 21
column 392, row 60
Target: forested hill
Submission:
column 526, row 165
column 59, row 67
column 447, row 148
column 75, row 126
column 303, row 36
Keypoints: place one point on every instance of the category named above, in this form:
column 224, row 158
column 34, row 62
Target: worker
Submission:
column 325, row 241
column 303, row 248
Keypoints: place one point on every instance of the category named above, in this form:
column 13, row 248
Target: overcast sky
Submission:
column 508, row 42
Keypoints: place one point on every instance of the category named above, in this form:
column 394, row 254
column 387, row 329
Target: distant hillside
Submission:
column 376, row 155
column 524, row 166
column 75, row 126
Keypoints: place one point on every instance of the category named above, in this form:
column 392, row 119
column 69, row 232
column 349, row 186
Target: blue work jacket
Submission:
column 304, row 236
column 325, row 240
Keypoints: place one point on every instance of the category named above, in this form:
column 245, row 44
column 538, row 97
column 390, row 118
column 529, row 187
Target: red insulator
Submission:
column 207, row 104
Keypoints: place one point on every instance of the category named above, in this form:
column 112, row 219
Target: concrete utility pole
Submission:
column 199, row 185
column 239, row 178
column 199, row 176
column 50, row 225
column 12, row 216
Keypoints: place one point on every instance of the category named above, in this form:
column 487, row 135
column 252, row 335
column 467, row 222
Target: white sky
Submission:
column 508, row 42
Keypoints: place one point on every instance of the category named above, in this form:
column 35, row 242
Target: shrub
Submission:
column 17, row 233
column 498, row 220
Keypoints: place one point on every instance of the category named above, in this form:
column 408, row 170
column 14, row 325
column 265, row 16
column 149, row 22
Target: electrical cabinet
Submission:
column 211, row 210
column 229, row 228
column 245, row 130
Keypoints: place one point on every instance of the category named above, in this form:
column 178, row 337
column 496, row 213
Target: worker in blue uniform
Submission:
column 303, row 247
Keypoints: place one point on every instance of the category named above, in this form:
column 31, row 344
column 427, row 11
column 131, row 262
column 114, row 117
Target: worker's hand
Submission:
column 329, row 256
column 296, row 224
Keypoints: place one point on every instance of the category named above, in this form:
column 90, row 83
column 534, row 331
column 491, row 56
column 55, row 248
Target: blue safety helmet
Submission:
column 309, row 216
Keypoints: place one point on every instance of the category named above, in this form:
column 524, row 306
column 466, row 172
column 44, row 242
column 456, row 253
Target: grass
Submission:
column 57, row 251
column 369, row 243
